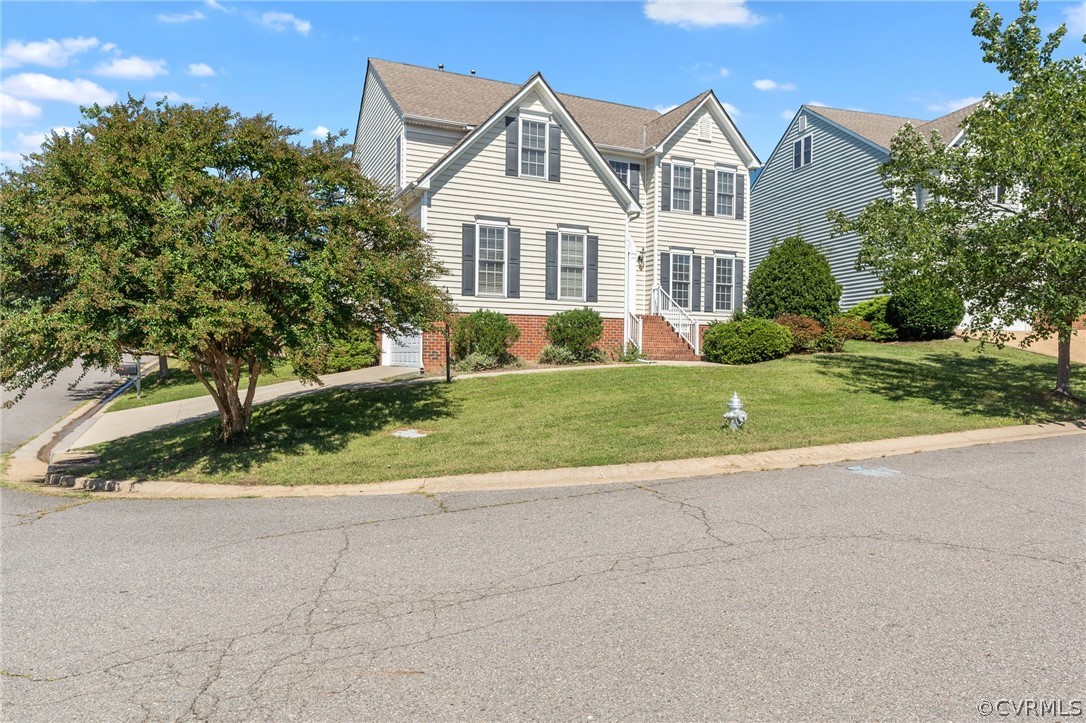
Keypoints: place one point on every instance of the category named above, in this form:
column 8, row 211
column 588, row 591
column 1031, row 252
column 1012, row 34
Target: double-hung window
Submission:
column 533, row 148
column 725, row 193
column 491, row 260
column 622, row 170
column 571, row 266
column 723, row 282
column 680, row 280
column 802, row 152
column 682, row 185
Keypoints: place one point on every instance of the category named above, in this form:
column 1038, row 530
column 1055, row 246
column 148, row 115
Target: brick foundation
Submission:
column 531, row 342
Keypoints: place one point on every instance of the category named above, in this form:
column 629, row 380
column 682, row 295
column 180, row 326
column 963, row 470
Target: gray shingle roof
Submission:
column 880, row 129
column 469, row 100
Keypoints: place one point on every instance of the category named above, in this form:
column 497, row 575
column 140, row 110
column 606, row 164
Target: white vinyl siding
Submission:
column 379, row 128
column 723, row 283
column 682, row 187
column 725, row 193
column 425, row 146
column 571, row 267
column 533, row 148
column 680, row 279
column 491, row 255
column 475, row 184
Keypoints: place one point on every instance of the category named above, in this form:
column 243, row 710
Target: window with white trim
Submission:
column 682, row 187
column 491, row 255
column 802, row 152
column 680, row 279
column 571, row 266
column 622, row 170
column 725, row 193
column 533, row 148
column 723, row 282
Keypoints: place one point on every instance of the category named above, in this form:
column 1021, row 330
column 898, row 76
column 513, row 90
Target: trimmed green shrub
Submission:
column 794, row 278
column 805, row 331
column 924, row 310
column 552, row 354
column 485, row 332
column 745, row 342
column 846, row 327
column 873, row 311
column 828, row 343
column 357, row 350
column 575, row 330
column 476, row 362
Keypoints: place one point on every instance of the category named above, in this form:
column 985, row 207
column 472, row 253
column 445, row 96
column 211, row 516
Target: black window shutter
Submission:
column 740, row 195
column 555, row 154
column 552, row 264
column 695, row 290
column 665, row 272
column 512, row 142
column 635, row 179
column 697, row 191
column 737, row 277
column 710, row 199
column 512, row 289
column 665, row 187
column 467, row 267
column 592, row 274
column 710, row 284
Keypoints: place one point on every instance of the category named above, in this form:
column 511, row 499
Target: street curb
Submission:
column 585, row 476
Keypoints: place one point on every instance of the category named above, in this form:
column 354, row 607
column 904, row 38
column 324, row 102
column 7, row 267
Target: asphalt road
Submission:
column 42, row 407
column 814, row 593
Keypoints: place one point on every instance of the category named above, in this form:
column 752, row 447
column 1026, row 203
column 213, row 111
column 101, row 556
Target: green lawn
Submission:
column 604, row 416
column 182, row 384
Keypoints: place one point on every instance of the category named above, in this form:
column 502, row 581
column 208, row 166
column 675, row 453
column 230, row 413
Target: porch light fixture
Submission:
column 735, row 417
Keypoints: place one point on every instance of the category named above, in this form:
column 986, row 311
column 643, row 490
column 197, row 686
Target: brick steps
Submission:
column 662, row 343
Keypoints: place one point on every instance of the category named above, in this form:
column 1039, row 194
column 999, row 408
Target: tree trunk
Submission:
column 163, row 367
column 1063, row 363
column 225, row 373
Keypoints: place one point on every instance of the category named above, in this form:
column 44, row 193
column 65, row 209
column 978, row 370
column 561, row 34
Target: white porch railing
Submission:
column 675, row 315
column 635, row 330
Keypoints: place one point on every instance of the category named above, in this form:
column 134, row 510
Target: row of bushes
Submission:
column 748, row 339
column 482, row 339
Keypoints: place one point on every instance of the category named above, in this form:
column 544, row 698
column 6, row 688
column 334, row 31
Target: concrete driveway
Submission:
column 918, row 586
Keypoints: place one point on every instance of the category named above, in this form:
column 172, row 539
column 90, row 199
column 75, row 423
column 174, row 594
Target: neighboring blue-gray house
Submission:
column 828, row 159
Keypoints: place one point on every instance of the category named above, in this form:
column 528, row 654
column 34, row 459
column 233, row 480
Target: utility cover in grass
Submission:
column 409, row 433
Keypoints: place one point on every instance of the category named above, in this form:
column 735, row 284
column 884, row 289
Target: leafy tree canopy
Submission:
column 203, row 235
column 1003, row 217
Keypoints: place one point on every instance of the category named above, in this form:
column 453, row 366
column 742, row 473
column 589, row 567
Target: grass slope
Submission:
column 606, row 416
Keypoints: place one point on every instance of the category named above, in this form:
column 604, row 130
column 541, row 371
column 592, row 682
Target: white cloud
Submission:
column 171, row 96
column 131, row 67
column 787, row 114
column 109, row 47
column 1075, row 17
column 50, row 53
column 701, row 14
column 26, row 143
column 15, row 111
column 45, row 87
column 817, row 104
column 949, row 106
column 181, row 17
column 201, row 70
column 664, row 108
column 281, row 21
column 767, row 84
column 732, row 110
column 216, row 6
column 724, row 72
column 320, row 132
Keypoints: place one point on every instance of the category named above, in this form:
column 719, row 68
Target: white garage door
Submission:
column 403, row 351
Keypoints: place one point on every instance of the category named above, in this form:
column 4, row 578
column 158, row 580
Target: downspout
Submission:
column 655, row 227
column 626, row 308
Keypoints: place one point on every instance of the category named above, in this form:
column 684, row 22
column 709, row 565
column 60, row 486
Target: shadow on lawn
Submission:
column 969, row 383
column 322, row 422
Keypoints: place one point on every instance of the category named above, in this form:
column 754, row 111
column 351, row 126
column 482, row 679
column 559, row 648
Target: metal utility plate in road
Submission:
column 877, row 472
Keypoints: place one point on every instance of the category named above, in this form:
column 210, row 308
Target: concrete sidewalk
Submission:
column 106, row 426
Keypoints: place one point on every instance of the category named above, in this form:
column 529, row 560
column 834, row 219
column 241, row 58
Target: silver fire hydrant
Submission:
column 735, row 417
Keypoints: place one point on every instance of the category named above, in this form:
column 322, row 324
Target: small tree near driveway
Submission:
column 206, row 236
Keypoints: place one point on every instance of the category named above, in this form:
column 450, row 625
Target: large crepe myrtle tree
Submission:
column 206, row 236
column 1004, row 220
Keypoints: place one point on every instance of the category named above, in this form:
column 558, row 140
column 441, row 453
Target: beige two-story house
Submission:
column 537, row 202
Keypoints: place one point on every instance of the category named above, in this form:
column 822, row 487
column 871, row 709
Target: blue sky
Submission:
column 304, row 62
